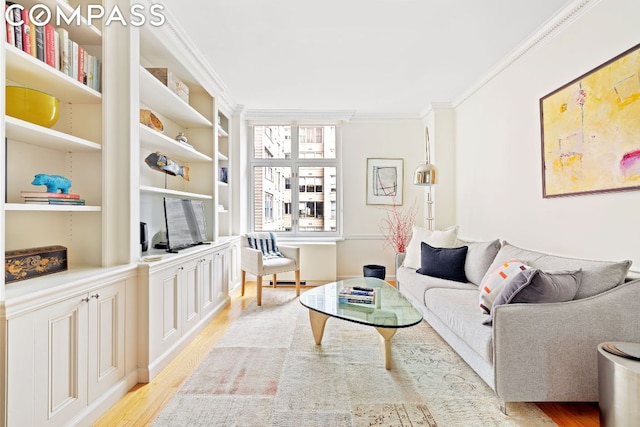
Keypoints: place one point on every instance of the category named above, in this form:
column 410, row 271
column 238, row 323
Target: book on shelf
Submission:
column 17, row 29
column 40, row 43
column 79, row 202
column 26, row 31
column 50, row 45
column 45, row 201
column 48, row 195
column 63, row 46
column 10, row 35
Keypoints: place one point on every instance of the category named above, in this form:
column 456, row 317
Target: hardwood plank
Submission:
column 143, row 403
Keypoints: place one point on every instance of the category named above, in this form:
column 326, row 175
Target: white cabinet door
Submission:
column 60, row 356
column 221, row 281
column 208, row 276
column 106, row 338
column 164, row 310
column 190, row 288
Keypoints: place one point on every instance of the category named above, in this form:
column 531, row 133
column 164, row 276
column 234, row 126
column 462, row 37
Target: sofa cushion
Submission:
column 496, row 280
column 414, row 285
column 444, row 263
column 537, row 286
column 437, row 238
column 597, row 276
column 480, row 255
column 458, row 309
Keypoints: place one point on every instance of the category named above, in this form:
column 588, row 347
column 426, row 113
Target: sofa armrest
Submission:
column 548, row 352
column 251, row 260
column 291, row 252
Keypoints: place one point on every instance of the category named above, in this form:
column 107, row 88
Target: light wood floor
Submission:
column 143, row 403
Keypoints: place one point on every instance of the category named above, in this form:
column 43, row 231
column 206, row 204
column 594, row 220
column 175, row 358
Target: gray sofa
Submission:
column 532, row 352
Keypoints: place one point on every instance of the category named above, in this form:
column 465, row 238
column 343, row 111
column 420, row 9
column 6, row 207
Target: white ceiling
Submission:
column 372, row 56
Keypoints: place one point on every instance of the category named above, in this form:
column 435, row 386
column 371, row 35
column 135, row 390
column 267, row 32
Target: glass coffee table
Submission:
column 390, row 312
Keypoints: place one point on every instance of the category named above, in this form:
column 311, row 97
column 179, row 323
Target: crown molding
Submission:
column 434, row 106
column 383, row 117
column 550, row 28
column 306, row 116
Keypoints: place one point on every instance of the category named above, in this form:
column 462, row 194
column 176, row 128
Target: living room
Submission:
column 485, row 139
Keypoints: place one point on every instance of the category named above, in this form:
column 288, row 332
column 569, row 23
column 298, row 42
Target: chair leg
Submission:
column 297, row 283
column 275, row 280
column 259, row 291
column 244, row 278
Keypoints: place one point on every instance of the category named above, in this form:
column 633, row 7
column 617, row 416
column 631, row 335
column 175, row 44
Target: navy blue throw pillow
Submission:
column 444, row 263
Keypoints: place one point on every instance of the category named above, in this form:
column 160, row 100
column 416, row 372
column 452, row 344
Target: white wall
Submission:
column 498, row 160
column 363, row 242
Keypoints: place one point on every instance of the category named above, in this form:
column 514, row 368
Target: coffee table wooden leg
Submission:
column 385, row 339
column 318, row 321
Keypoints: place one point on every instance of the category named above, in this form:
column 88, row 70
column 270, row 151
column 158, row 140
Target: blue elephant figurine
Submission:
column 53, row 183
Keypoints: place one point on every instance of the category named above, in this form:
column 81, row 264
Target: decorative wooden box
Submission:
column 33, row 262
column 172, row 82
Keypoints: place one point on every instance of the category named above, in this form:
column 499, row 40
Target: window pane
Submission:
column 270, row 198
column 316, row 207
column 317, row 142
column 272, row 142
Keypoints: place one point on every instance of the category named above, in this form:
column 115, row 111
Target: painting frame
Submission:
column 590, row 135
column 385, row 181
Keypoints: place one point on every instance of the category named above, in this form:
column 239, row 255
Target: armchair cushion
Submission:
column 266, row 243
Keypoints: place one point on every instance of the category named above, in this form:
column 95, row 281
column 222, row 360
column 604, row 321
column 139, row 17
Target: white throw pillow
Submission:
column 497, row 280
column 438, row 239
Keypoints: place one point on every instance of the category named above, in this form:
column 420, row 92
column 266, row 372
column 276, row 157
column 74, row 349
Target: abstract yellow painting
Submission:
column 591, row 130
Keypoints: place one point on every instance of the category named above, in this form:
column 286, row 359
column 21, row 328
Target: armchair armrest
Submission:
column 548, row 352
column 291, row 252
column 251, row 260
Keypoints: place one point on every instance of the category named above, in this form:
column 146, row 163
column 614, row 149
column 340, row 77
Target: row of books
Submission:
column 47, row 198
column 52, row 46
column 357, row 294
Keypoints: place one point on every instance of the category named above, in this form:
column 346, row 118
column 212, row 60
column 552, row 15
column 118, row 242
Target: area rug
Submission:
column 267, row 371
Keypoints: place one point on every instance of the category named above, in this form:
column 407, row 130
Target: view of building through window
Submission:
column 302, row 175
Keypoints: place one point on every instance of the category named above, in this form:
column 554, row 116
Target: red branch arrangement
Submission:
column 397, row 226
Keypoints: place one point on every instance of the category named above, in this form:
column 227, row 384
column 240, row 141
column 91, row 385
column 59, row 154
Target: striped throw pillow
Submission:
column 266, row 243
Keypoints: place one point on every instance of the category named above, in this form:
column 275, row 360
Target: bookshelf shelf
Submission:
column 222, row 132
column 46, row 138
column 222, row 157
column 160, row 99
column 49, row 208
column 31, row 72
column 153, row 141
column 176, row 193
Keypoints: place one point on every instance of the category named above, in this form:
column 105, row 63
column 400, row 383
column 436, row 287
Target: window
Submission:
column 295, row 166
column 268, row 207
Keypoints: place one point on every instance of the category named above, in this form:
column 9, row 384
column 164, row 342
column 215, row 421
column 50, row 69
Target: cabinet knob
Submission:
column 96, row 296
column 85, row 299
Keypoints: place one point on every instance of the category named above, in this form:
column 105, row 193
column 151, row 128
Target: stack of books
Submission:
column 357, row 295
column 52, row 45
column 45, row 198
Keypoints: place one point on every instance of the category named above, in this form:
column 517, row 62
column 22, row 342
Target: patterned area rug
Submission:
column 267, row 371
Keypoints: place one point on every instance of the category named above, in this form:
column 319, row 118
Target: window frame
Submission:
column 296, row 162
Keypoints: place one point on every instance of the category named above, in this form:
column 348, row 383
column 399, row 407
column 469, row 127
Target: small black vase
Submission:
column 372, row 270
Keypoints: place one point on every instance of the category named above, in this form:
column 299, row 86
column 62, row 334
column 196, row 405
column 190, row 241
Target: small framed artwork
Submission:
column 591, row 131
column 384, row 181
